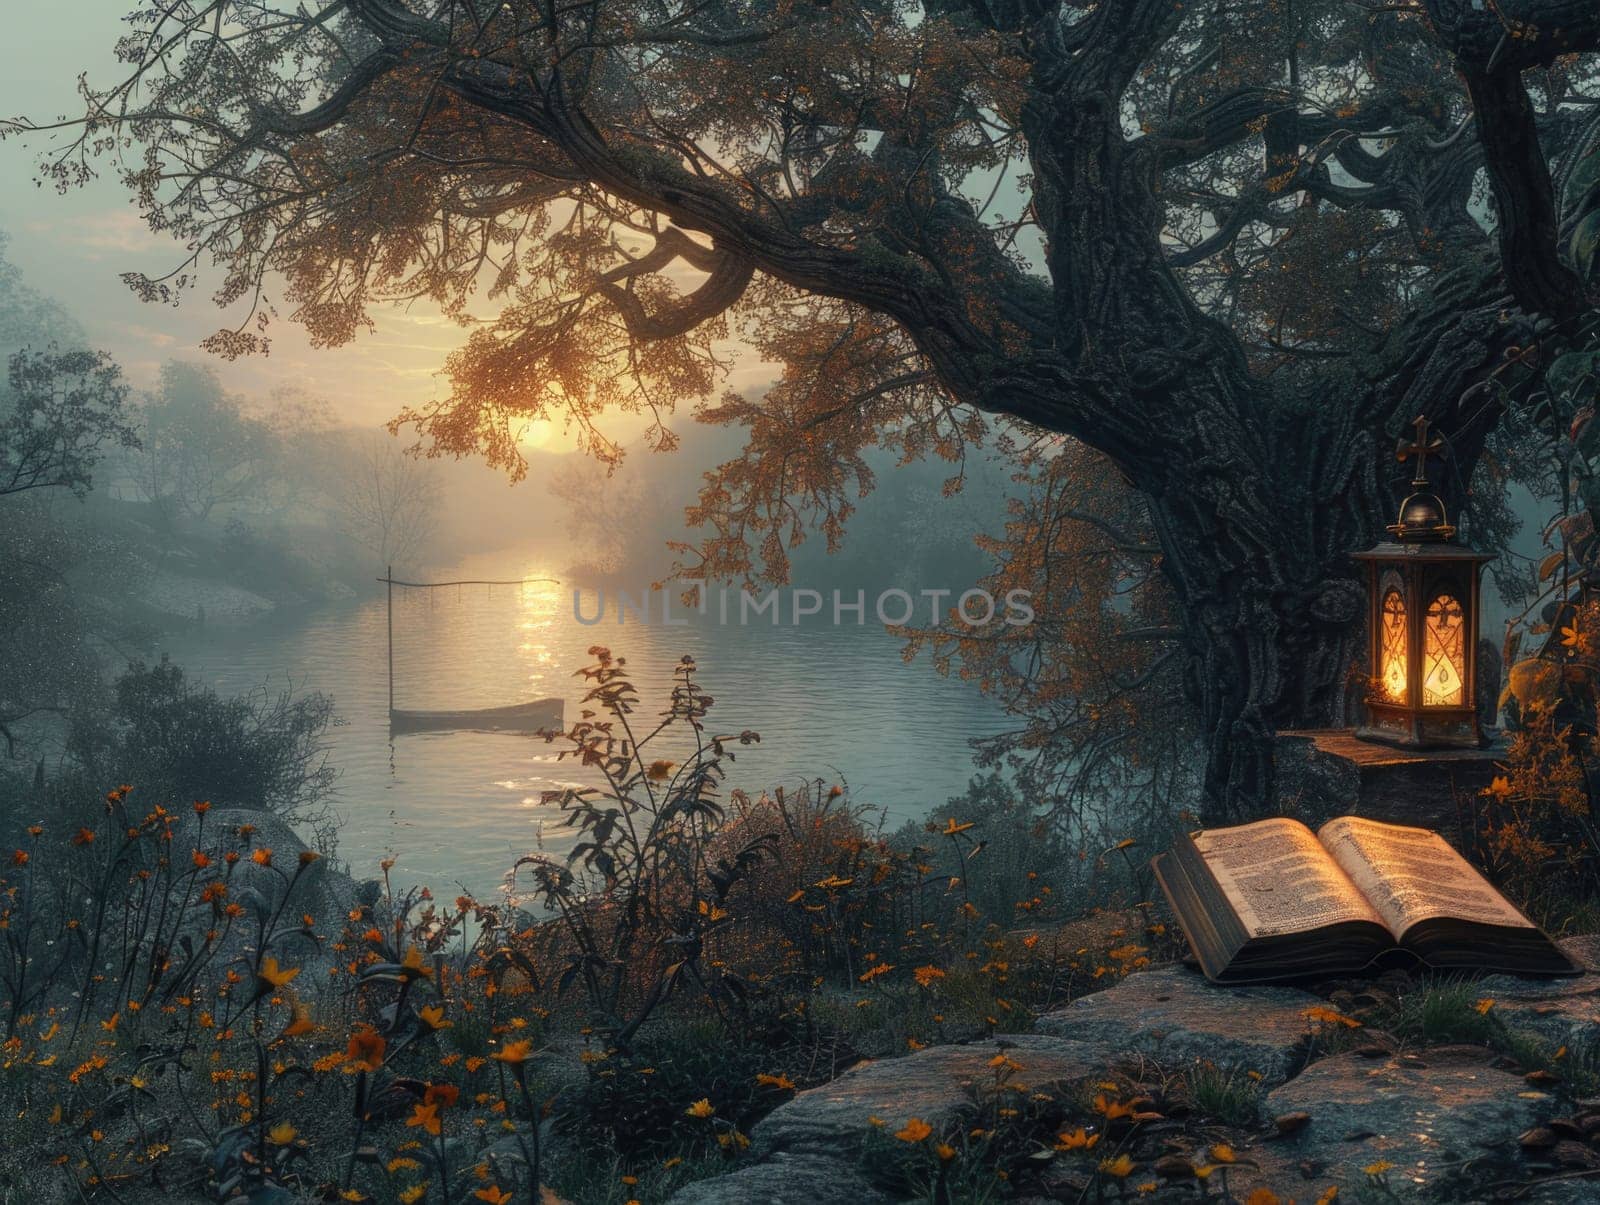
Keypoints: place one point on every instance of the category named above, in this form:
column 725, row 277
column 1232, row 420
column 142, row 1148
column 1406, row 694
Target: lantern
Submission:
column 1422, row 589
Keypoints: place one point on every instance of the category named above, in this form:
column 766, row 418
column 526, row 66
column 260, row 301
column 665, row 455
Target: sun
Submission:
column 536, row 434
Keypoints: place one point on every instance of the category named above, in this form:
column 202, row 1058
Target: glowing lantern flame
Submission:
column 1444, row 661
column 1392, row 673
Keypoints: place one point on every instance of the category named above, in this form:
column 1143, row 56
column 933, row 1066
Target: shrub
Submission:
column 640, row 899
column 1536, row 827
column 182, row 742
column 642, row 1105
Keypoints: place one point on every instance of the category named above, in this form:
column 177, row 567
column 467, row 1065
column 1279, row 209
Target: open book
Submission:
column 1273, row 900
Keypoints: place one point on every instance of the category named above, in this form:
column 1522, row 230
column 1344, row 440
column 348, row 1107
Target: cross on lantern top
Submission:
column 1422, row 447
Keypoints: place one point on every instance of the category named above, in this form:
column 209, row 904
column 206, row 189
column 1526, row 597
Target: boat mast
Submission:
column 388, row 576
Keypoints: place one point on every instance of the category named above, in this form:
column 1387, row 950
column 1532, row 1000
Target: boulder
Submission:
column 1564, row 1012
column 1176, row 1016
column 268, row 831
column 1583, row 950
column 939, row 1085
column 319, row 882
column 1444, row 1113
column 320, row 891
column 785, row 1178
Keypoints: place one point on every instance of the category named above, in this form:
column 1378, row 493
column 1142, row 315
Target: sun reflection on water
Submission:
column 539, row 601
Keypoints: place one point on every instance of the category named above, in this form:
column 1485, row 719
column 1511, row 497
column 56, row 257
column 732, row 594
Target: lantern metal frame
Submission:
column 1423, row 573
column 1423, row 565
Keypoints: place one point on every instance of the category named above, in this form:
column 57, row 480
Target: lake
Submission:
column 454, row 809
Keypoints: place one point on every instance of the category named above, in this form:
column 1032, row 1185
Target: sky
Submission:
column 74, row 248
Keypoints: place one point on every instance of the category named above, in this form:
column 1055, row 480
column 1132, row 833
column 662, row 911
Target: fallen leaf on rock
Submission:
column 1565, row 1128
column 1173, row 1167
column 1575, row 1155
column 1538, row 1138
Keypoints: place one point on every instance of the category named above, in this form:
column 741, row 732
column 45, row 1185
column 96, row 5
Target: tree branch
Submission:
column 1524, row 196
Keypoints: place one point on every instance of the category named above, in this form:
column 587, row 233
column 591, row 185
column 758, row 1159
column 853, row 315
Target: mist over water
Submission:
column 455, row 808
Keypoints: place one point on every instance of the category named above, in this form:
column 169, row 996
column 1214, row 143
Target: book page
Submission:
column 1411, row 874
column 1279, row 879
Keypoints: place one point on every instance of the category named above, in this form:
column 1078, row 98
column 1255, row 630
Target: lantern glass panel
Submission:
column 1444, row 665
column 1392, row 657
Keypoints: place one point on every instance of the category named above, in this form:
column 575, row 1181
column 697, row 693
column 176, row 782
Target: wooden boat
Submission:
column 519, row 717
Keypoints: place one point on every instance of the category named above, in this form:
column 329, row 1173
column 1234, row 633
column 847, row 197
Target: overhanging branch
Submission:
column 1524, row 196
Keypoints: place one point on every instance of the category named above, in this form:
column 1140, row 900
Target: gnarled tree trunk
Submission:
column 1272, row 609
column 1260, row 500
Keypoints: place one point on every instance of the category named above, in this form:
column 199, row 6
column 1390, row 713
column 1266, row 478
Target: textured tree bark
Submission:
column 1258, row 557
column 1524, row 197
column 1259, row 498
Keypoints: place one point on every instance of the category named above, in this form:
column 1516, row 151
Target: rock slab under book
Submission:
column 1564, row 1012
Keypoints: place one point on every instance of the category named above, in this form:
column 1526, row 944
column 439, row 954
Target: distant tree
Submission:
column 300, row 435
column 383, row 498
column 1232, row 247
column 200, row 448
column 63, row 411
column 615, row 519
column 53, row 623
column 29, row 319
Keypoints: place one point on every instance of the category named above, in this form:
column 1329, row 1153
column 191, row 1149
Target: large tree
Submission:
column 1234, row 246
column 61, row 414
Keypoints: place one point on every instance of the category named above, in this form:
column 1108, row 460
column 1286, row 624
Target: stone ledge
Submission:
column 1432, row 1116
column 1327, row 772
column 1440, row 1117
column 939, row 1085
column 1176, row 1016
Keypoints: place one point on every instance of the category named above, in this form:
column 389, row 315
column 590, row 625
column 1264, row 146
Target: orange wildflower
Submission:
column 426, row 1116
column 273, row 976
column 916, row 1130
column 366, row 1048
